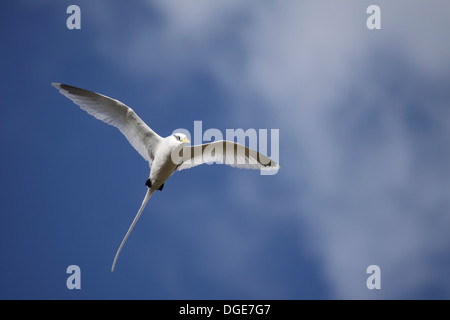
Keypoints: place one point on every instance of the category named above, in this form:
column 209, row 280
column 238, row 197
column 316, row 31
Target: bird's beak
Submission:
column 185, row 140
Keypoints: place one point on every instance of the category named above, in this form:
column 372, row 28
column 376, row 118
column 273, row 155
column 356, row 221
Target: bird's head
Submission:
column 180, row 137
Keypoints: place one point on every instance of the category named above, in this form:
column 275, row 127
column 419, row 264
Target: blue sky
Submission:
column 363, row 118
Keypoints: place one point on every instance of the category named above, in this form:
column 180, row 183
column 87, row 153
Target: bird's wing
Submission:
column 226, row 152
column 117, row 114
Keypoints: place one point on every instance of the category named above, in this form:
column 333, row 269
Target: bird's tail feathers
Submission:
column 136, row 218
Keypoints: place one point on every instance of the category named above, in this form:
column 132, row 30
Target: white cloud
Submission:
column 368, row 195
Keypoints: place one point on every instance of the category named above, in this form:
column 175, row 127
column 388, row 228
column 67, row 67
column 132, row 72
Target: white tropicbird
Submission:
column 165, row 155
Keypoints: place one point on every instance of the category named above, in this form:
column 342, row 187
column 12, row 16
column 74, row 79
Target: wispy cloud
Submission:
column 363, row 119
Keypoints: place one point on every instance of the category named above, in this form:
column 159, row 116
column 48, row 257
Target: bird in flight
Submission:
column 165, row 155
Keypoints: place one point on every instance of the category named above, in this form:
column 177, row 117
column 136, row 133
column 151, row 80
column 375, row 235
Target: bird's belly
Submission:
column 162, row 169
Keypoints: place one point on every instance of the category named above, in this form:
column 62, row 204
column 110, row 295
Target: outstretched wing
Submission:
column 226, row 152
column 117, row 114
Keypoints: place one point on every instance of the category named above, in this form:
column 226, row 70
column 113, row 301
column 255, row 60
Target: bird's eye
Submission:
column 178, row 138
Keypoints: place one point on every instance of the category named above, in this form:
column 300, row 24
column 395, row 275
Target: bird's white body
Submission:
column 163, row 166
column 158, row 151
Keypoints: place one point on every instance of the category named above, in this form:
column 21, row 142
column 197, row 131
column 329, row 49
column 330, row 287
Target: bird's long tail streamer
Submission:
column 144, row 203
